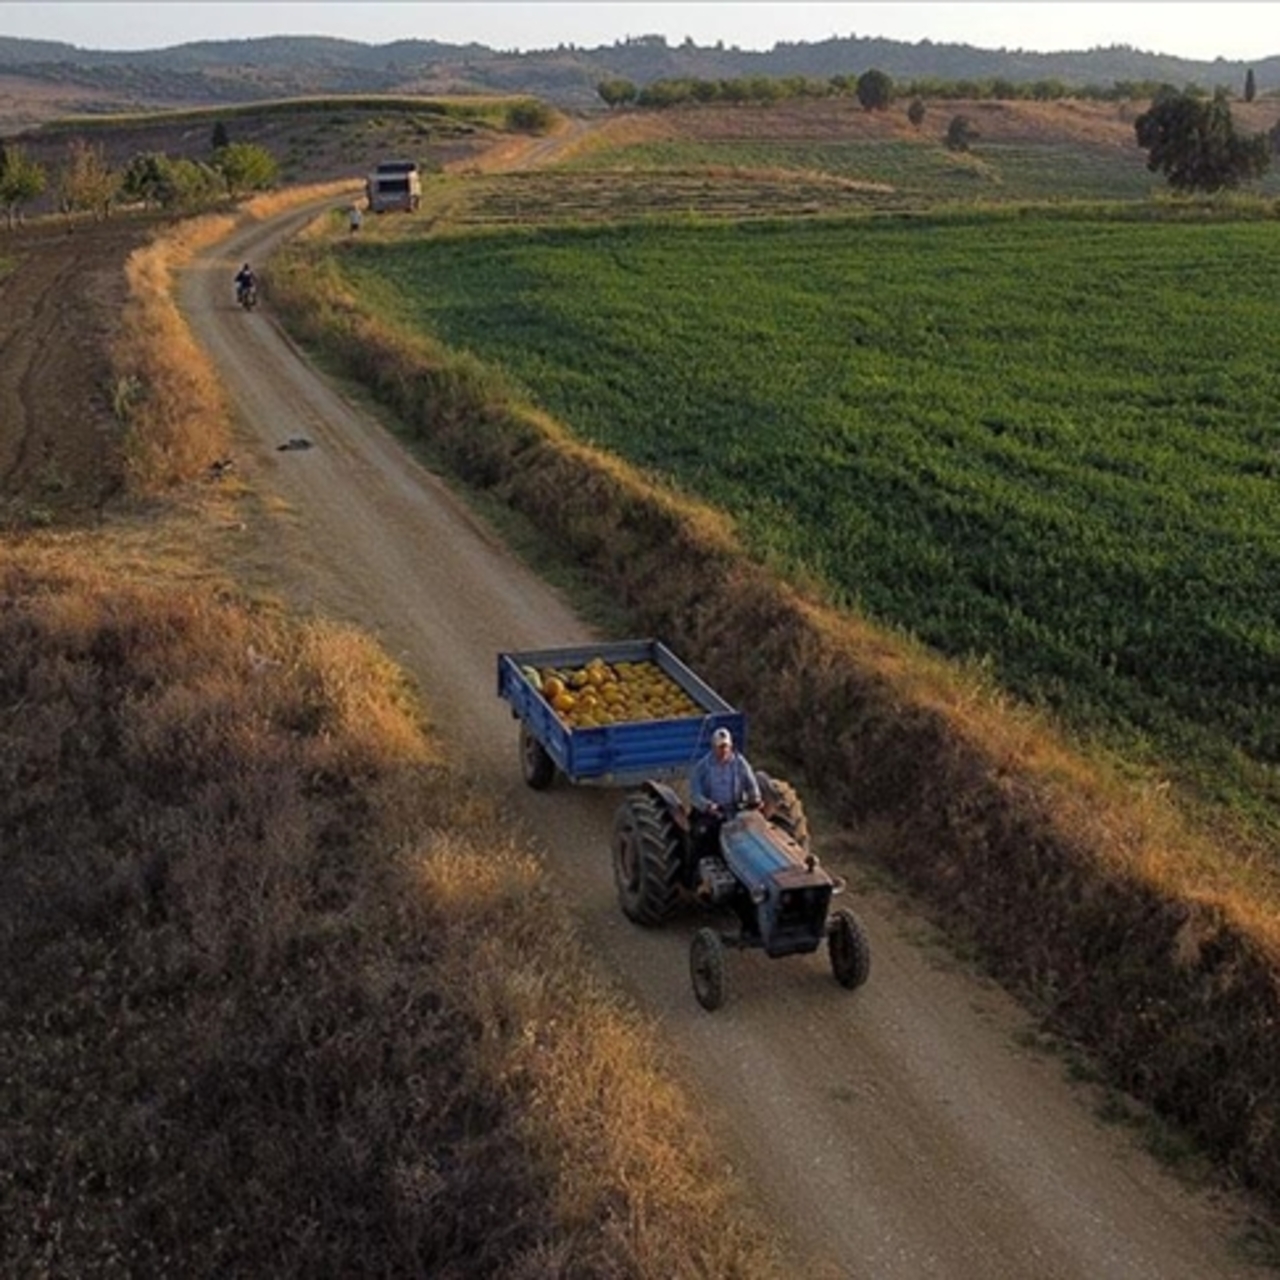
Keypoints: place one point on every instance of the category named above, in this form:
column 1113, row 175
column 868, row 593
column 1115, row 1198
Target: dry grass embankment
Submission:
column 282, row 998
column 1130, row 932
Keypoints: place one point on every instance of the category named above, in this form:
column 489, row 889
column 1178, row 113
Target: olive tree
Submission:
column 245, row 166
column 86, row 183
column 616, row 93
column 1193, row 142
column 156, row 179
column 21, row 181
column 961, row 134
column 875, row 90
column 530, row 116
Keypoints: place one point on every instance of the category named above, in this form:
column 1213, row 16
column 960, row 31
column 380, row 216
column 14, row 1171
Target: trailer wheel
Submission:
column 538, row 768
column 785, row 809
column 707, row 969
column 848, row 948
column 647, row 858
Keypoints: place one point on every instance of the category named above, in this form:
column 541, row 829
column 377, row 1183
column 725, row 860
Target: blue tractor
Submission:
column 756, row 866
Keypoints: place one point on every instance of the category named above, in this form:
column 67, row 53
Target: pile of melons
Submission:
column 601, row 693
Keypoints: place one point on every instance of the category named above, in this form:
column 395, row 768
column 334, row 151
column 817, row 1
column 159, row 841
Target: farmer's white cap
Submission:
column 720, row 736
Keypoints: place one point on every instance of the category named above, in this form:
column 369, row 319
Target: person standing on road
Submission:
column 722, row 782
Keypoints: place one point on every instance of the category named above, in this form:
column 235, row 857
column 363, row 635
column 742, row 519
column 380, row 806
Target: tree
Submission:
column 915, row 112
column 530, row 116
column 1250, row 86
column 189, row 184
column 220, row 137
column 1193, row 142
column 616, row 93
column 143, row 178
column 961, row 134
column 875, row 90
column 245, row 166
column 21, row 180
column 85, row 182
column 154, row 178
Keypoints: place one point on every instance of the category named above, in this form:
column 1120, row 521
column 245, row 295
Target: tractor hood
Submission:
column 761, row 855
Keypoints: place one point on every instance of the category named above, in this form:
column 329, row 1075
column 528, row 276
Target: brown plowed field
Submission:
column 62, row 291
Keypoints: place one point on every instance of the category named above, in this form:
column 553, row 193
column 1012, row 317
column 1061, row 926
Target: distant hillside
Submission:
column 220, row 72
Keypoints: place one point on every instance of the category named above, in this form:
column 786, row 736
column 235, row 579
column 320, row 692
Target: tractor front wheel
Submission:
column 707, row 969
column 647, row 859
column 848, row 948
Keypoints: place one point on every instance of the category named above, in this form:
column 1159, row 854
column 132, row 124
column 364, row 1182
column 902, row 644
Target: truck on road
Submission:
column 394, row 185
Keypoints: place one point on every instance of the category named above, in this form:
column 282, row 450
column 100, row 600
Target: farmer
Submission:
column 355, row 219
column 722, row 782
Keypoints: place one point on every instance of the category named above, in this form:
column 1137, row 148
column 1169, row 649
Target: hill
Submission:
column 311, row 140
column 40, row 79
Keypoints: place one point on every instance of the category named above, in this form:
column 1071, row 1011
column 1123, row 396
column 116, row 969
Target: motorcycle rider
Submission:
column 245, row 281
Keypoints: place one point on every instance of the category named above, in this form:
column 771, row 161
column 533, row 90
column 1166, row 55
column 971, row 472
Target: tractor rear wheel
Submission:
column 707, row 969
column 538, row 768
column 785, row 809
column 848, row 948
column 648, row 851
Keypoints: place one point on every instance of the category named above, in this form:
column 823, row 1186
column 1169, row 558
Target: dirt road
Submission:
column 901, row 1132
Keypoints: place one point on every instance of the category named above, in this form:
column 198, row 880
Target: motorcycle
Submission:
column 247, row 296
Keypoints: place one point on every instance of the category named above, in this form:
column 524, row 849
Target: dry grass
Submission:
column 169, row 398
column 1135, row 933
column 1077, row 123
column 282, row 997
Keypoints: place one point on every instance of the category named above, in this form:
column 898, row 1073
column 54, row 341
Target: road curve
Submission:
column 901, row 1132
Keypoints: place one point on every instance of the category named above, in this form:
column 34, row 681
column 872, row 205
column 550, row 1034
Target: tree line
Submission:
column 86, row 183
column 686, row 91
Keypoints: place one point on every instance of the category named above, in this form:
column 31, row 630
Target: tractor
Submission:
column 756, row 864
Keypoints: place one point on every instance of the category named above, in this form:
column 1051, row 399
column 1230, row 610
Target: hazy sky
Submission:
column 1204, row 30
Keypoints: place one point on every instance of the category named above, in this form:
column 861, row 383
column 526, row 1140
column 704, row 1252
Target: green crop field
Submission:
column 1048, row 445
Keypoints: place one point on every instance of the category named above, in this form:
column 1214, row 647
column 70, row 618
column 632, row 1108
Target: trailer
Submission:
column 623, row 753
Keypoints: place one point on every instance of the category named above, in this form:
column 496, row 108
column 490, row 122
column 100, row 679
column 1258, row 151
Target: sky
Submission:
column 1202, row 30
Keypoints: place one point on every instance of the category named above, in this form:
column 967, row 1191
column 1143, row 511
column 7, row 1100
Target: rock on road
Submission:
column 901, row 1132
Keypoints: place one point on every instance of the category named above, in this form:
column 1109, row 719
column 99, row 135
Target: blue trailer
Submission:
column 622, row 754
